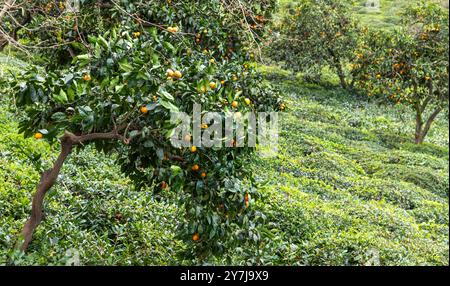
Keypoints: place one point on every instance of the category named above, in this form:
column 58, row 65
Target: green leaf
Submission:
column 59, row 116
column 164, row 94
column 61, row 97
column 169, row 106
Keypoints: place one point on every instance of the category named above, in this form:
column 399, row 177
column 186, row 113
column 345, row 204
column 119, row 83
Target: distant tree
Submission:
column 410, row 65
column 315, row 34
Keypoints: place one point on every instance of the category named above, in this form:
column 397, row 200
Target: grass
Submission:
column 348, row 184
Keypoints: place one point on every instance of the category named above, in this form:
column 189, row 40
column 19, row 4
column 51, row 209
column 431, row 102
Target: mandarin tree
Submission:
column 410, row 65
column 315, row 34
column 114, row 84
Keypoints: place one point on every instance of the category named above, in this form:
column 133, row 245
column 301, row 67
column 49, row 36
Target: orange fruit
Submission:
column 86, row 77
column 235, row 104
column 195, row 237
column 222, row 82
column 203, row 175
column 195, row 167
column 170, row 73
column 212, row 85
column 38, row 135
column 173, row 29
column 144, row 110
column 194, row 149
column 177, row 74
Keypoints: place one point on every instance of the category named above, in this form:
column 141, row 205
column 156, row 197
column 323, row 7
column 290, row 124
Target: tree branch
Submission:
column 430, row 121
column 49, row 177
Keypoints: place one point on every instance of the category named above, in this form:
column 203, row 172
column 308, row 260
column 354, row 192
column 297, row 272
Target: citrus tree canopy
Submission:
column 409, row 65
column 315, row 34
column 112, row 72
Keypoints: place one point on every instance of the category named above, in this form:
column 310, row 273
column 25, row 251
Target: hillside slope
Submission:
column 347, row 188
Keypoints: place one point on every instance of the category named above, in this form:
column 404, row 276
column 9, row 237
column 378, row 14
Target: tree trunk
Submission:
column 341, row 76
column 422, row 128
column 336, row 63
column 49, row 177
column 419, row 125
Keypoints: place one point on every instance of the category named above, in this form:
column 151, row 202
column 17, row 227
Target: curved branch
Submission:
column 49, row 177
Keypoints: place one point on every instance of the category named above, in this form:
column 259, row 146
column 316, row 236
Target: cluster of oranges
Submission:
column 196, row 168
column 171, row 74
column 173, row 29
column 198, row 38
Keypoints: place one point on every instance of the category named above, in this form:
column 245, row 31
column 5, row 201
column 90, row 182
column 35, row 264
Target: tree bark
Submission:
column 429, row 122
column 419, row 125
column 341, row 75
column 336, row 63
column 422, row 128
column 49, row 177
